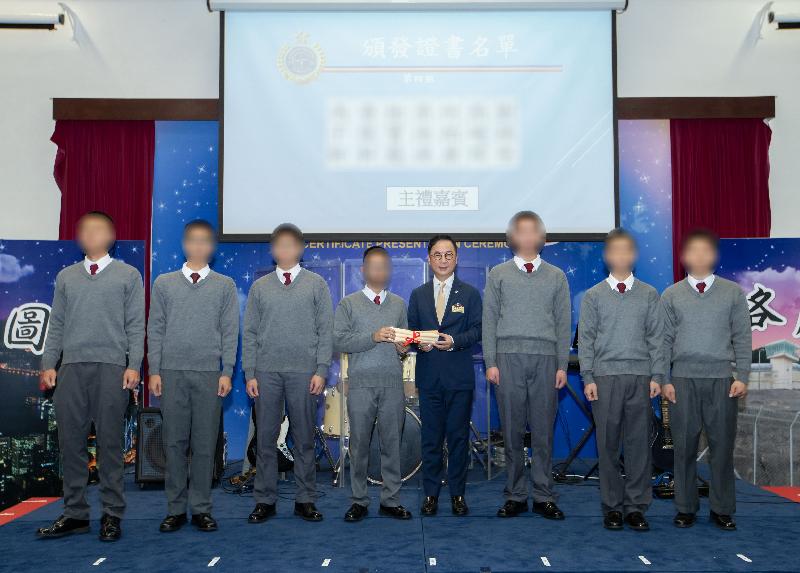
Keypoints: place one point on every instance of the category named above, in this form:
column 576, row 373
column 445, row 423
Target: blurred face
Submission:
column 699, row 258
column 527, row 237
column 377, row 270
column 198, row 245
column 286, row 250
column 95, row 235
column 620, row 257
column 443, row 258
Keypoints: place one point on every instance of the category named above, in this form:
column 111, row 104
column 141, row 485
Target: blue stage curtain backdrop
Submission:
column 720, row 178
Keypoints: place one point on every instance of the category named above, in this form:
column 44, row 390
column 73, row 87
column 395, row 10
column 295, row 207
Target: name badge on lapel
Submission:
column 458, row 307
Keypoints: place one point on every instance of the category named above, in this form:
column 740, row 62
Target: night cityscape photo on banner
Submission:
column 409, row 122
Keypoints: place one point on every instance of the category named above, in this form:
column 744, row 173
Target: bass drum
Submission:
column 410, row 450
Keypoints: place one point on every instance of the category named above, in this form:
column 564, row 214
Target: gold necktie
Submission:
column 440, row 303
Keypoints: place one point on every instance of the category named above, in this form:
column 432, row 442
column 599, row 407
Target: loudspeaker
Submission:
column 151, row 458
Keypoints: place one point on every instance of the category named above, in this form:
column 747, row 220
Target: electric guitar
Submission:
column 662, row 445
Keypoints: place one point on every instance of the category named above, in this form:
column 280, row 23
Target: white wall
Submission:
column 122, row 49
column 712, row 48
column 169, row 48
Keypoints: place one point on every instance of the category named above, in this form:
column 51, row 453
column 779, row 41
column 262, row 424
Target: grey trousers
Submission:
column 623, row 415
column 190, row 408
column 703, row 404
column 86, row 392
column 527, row 396
column 275, row 389
column 364, row 407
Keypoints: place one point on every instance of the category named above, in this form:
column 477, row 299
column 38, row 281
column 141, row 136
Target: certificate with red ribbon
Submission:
column 407, row 337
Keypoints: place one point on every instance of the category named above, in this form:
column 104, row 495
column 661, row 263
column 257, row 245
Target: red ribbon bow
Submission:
column 414, row 338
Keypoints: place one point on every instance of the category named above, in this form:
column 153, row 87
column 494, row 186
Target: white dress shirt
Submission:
column 520, row 262
column 614, row 282
column 293, row 272
column 101, row 263
column 709, row 280
column 370, row 294
column 187, row 272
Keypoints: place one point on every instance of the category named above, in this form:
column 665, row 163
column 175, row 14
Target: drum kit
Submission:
column 335, row 424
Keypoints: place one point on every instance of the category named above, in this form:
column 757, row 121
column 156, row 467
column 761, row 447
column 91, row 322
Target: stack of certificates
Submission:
column 415, row 336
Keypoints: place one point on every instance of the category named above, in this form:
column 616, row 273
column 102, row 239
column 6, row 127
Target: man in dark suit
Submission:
column 444, row 372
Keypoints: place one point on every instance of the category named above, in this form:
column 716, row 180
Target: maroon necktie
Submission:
column 93, row 268
column 528, row 267
column 621, row 287
column 195, row 278
column 377, row 299
column 701, row 287
column 287, row 278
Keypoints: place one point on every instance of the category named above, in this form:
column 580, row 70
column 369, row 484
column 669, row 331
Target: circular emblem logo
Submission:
column 302, row 62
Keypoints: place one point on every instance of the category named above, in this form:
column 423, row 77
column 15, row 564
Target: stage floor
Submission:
column 767, row 538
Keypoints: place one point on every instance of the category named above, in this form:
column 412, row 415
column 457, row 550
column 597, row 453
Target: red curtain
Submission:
column 106, row 166
column 720, row 179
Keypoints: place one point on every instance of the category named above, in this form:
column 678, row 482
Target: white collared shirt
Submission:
column 371, row 294
column 293, row 272
column 187, row 272
column 709, row 280
column 520, row 262
column 448, row 285
column 614, row 282
column 101, row 263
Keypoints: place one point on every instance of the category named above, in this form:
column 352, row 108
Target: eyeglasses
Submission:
column 448, row 256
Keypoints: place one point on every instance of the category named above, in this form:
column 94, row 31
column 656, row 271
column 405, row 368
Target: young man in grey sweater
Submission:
column 97, row 333
column 192, row 336
column 526, row 341
column 286, row 351
column 709, row 343
column 364, row 328
column 621, row 354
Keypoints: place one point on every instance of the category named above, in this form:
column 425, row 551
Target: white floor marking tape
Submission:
column 99, row 561
column 213, row 561
column 432, row 561
column 644, row 560
column 744, row 557
column 545, row 561
column 326, row 562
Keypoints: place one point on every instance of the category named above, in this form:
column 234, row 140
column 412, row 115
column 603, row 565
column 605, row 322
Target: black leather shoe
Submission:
column 397, row 512
column 512, row 508
column 724, row 522
column 684, row 520
column 613, row 520
column 430, row 506
column 357, row 512
column 63, row 526
column 548, row 509
column 172, row 523
column 637, row 522
column 307, row 511
column 110, row 528
column 459, row 505
column 261, row 513
column 204, row 522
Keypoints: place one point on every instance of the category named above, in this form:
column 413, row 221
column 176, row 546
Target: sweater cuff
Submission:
column 322, row 370
column 588, row 377
column 249, row 374
column 659, row 378
column 135, row 362
column 489, row 361
column 563, row 364
column 744, row 378
column 227, row 370
column 48, row 363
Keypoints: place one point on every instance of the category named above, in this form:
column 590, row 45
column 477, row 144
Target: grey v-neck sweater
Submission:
column 288, row 328
column 621, row 333
column 705, row 333
column 193, row 326
column 370, row 363
column 97, row 318
column 526, row 313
